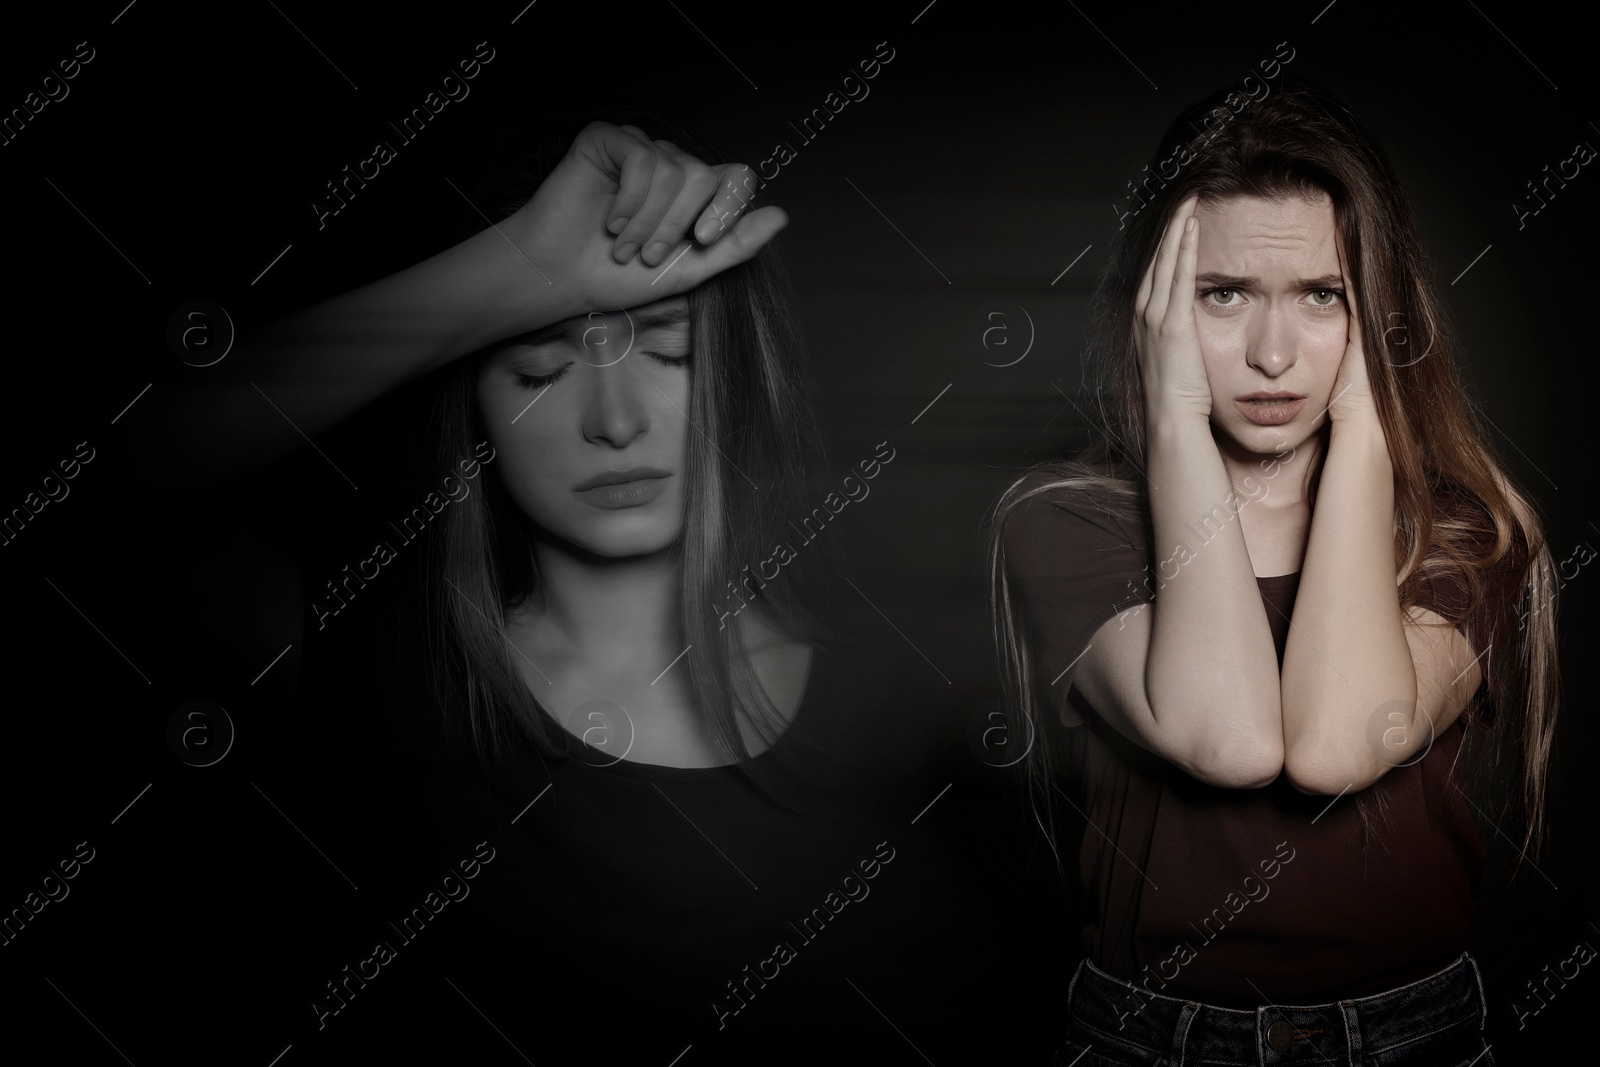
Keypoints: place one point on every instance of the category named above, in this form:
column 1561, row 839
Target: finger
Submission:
column 1147, row 286
column 1146, row 283
column 627, row 159
column 666, row 180
column 653, row 198
column 737, row 190
column 1351, row 306
column 1180, row 301
column 741, row 242
column 700, row 183
column 1166, row 260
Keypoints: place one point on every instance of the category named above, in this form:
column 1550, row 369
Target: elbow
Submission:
column 1230, row 744
column 1240, row 763
column 1322, row 771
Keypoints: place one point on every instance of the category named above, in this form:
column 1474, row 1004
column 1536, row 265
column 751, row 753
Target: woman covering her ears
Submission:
column 1253, row 628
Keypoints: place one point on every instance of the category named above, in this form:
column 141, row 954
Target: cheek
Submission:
column 1324, row 347
column 529, row 452
column 1221, row 347
column 669, row 410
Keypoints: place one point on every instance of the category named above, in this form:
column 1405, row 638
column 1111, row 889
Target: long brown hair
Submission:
column 755, row 429
column 1304, row 141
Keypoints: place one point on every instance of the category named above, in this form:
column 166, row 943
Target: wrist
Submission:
column 508, row 293
column 1177, row 414
column 1361, row 436
column 1364, row 427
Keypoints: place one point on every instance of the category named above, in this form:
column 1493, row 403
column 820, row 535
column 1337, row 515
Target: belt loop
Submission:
column 1483, row 1002
column 1180, row 1031
column 1352, row 1031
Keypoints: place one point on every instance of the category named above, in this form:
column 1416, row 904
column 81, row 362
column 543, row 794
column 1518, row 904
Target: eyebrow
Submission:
column 567, row 329
column 1239, row 281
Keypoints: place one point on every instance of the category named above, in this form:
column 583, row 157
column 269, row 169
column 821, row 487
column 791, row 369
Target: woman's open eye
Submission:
column 1224, row 296
column 1334, row 297
column 539, row 381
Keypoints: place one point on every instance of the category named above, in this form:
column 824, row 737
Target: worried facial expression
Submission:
column 1271, row 316
column 589, row 420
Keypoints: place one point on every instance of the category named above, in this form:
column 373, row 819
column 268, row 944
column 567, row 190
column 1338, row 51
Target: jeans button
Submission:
column 1280, row 1035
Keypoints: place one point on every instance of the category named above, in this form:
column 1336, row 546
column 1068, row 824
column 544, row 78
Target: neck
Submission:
column 623, row 607
column 1273, row 480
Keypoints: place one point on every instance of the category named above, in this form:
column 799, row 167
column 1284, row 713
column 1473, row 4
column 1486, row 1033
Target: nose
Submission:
column 1271, row 343
column 615, row 412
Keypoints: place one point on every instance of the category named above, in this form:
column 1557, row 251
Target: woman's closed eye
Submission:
column 671, row 359
column 530, row 380
column 539, row 381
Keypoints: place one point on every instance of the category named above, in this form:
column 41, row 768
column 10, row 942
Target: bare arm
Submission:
column 554, row 258
column 1193, row 677
column 1355, row 664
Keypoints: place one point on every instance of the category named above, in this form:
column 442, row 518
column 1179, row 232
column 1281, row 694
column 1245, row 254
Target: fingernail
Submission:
column 656, row 251
column 708, row 228
column 1188, row 227
column 626, row 252
column 616, row 224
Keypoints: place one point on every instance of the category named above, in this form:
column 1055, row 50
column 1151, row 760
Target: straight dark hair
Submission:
column 1305, row 141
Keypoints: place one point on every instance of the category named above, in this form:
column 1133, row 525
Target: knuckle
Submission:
column 698, row 174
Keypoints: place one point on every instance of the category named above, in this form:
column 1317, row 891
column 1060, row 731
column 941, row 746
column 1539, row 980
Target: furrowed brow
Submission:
column 1241, row 281
column 1227, row 281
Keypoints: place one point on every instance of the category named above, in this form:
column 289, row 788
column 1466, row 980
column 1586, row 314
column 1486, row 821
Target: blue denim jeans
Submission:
column 1437, row 1021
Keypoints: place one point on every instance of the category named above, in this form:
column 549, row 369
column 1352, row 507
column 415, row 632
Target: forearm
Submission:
column 1347, row 655
column 1211, row 676
column 301, row 375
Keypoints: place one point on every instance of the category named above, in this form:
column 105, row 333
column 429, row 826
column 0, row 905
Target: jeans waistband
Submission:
column 1108, row 1011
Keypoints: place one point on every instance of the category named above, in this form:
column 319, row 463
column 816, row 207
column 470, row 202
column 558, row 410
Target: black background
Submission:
column 990, row 153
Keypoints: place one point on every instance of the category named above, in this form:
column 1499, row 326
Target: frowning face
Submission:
column 589, row 422
column 1271, row 316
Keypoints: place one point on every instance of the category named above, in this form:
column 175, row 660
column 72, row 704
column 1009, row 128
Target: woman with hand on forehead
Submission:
column 1256, row 624
column 681, row 770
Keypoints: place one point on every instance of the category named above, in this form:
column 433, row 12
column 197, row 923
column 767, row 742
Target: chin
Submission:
column 1266, row 440
column 626, row 541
